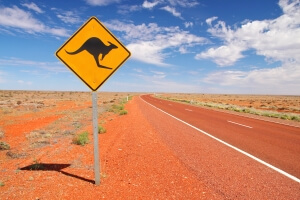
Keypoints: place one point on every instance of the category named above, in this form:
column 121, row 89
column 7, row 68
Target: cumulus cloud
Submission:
column 148, row 52
column 149, row 43
column 224, row 55
column 150, row 5
column 16, row 18
column 276, row 40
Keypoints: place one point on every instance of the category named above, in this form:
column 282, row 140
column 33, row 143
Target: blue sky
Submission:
column 190, row 46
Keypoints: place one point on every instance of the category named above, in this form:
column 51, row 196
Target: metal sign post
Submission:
column 81, row 54
column 95, row 133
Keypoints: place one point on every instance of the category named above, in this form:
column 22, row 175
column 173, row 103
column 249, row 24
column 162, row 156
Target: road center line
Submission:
column 239, row 124
column 231, row 146
column 188, row 110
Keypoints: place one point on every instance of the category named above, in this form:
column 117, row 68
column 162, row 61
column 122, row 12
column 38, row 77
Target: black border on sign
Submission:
column 56, row 53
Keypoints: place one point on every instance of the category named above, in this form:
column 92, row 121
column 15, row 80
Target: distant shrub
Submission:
column 81, row 139
column 118, row 108
column 101, row 129
column 295, row 118
column 285, row 116
column 4, row 146
column 123, row 112
column 2, row 184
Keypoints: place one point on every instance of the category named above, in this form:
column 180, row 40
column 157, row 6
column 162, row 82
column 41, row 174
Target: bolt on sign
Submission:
column 93, row 53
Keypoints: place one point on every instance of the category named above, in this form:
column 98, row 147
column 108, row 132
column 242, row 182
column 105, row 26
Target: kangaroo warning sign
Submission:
column 93, row 53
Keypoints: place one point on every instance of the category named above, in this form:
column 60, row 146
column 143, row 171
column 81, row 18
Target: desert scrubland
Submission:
column 43, row 152
column 272, row 106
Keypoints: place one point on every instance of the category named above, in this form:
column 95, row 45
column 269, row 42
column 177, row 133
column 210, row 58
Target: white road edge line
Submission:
column 231, row 146
column 239, row 124
column 188, row 110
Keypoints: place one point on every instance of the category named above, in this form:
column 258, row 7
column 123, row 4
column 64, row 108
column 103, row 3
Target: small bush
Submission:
column 81, row 139
column 295, row 118
column 284, row 116
column 2, row 184
column 118, row 107
column 4, row 146
column 101, row 129
column 123, row 112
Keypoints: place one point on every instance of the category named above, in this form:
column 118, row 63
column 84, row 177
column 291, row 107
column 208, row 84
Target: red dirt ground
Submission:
column 135, row 163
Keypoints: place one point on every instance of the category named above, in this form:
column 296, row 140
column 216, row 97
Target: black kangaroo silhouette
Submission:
column 95, row 47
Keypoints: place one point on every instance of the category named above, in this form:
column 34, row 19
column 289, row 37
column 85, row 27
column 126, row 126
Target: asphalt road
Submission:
column 275, row 144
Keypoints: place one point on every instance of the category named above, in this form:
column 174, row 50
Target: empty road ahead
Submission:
column 273, row 143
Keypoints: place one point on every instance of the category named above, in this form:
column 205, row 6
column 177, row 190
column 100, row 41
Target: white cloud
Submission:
column 279, row 80
column 277, row 39
column 150, row 5
column 173, row 11
column 69, row 17
column 183, row 50
column 101, row 2
column 148, row 52
column 188, row 24
column 210, row 20
column 149, row 43
column 19, row 19
column 33, row 7
column 223, row 55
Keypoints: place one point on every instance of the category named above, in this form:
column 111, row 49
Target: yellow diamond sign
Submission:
column 93, row 53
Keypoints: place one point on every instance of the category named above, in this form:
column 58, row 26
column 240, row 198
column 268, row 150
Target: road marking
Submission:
column 231, row 146
column 239, row 124
column 188, row 110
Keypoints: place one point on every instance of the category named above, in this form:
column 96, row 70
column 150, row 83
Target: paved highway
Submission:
column 275, row 145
